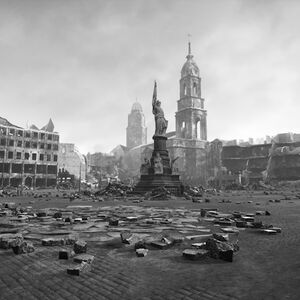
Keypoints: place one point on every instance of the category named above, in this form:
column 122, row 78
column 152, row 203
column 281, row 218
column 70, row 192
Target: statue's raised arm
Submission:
column 161, row 123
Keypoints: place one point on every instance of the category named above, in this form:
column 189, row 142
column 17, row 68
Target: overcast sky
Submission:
column 84, row 63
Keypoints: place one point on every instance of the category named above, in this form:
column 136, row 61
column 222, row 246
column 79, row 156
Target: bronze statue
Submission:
column 161, row 123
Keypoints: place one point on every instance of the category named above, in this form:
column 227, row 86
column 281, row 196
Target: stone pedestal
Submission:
column 159, row 172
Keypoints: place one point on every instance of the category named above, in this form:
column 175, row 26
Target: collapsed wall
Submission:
column 249, row 161
column 284, row 162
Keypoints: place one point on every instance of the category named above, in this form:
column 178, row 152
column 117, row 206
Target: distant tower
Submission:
column 136, row 132
column 190, row 115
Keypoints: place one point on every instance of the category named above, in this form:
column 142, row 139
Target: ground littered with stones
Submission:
column 123, row 244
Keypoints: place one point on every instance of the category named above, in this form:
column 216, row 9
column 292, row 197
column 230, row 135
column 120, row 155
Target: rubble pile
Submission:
column 197, row 233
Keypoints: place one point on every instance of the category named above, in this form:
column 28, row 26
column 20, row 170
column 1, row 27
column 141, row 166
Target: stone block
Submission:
column 53, row 242
column 22, row 247
column 113, row 222
column 160, row 245
column 77, row 269
column 141, row 252
column 126, row 237
column 140, row 245
column 199, row 245
column 220, row 250
column 221, row 237
column 269, row 231
column 80, row 247
column 65, row 254
column 7, row 240
column 195, row 254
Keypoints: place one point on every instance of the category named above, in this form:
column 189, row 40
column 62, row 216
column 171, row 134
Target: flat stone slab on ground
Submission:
column 195, row 254
column 160, row 245
column 269, row 231
column 84, row 258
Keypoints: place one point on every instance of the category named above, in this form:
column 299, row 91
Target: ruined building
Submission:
column 271, row 162
column 136, row 132
column 28, row 156
column 72, row 161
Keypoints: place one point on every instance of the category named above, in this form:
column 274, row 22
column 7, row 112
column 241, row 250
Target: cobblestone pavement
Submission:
column 266, row 267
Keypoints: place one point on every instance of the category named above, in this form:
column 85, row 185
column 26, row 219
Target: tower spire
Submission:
column 189, row 56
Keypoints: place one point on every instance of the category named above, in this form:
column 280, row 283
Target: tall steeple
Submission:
column 136, row 131
column 190, row 116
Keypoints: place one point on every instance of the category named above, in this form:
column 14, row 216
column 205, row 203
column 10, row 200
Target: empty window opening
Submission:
column 195, row 88
column 10, row 155
column 198, row 130
column 184, row 89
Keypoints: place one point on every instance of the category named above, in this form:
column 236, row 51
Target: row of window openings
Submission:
column 27, row 144
column 194, row 90
column 28, row 134
column 10, row 155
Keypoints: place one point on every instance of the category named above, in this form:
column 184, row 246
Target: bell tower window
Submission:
column 195, row 89
column 184, row 90
column 198, row 129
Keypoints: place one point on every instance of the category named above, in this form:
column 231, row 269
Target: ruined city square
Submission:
column 149, row 149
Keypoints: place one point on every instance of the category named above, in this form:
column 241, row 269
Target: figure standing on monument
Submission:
column 161, row 123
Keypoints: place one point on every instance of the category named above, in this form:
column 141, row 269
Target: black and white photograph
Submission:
column 149, row 149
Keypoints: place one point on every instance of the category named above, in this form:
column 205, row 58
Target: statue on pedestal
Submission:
column 161, row 123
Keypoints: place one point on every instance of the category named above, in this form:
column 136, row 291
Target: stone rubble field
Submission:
column 226, row 245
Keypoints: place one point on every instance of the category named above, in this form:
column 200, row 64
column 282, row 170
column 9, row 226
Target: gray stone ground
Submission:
column 266, row 267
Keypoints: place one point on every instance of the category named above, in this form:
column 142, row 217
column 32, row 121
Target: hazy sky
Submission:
column 84, row 63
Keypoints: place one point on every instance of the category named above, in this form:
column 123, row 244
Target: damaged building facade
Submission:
column 28, row 156
column 71, row 163
column 269, row 162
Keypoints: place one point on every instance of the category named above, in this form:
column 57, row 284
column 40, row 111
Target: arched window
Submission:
column 183, row 129
column 195, row 89
column 184, row 90
column 198, row 129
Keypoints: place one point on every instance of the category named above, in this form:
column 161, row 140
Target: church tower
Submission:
column 190, row 115
column 136, row 132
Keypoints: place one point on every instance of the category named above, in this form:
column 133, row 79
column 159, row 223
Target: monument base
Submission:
column 151, row 181
column 158, row 171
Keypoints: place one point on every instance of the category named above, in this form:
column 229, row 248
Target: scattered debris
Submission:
column 80, row 247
